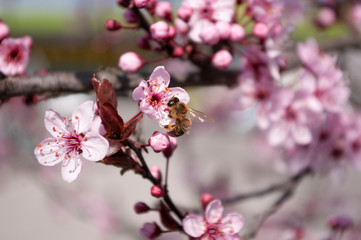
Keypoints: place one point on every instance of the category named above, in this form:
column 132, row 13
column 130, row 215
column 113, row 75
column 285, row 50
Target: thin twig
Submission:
column 287, row 193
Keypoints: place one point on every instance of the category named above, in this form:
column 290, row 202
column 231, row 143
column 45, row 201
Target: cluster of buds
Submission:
column 198, row 24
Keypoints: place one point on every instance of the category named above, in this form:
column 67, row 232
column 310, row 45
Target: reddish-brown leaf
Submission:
column 111, row 120
column 106, row 93
column 131, row 126
column 96, row 83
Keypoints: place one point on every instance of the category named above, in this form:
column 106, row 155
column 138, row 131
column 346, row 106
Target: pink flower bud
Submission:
column 164, row 10
column 159, row 30
column 222, row 59
column 237, row 33
column 4, row 31
column 340, row 222
column 260, row 30
column 130, row 16
column 325, row 17
column 171, row 147
column 224, row 29
column 140, row 3
column 206, row 198
column 209, row 34
column 159, row 141
column 157, row 191
column 112, row 25
column 150, row 230
column 144, row 42
column 130, row 62
column 151, row 6
column 123, row 3
column 171, row 32
column 184, row 13
column 141, row 207
column 156, row 173
column 178, row 52
column 181, row 26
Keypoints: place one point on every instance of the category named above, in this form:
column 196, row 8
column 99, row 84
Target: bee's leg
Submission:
column 169, row 127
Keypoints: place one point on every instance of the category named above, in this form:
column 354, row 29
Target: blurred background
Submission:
column 224, row 158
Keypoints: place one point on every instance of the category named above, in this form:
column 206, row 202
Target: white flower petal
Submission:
column 180, row 93
column 55, row 123
column 214, row 211
column 71, row 167
column 194, row 225
column 82, row 117
column 231, row 224
column 50, row 151
column 94, row 146
column 301, row 134
column 160, row 76
column 278, row 134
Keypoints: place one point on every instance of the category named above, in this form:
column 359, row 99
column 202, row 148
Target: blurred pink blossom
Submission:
column 140, row 3
column 164, row 10
column 14, row 55
column 150, row 230
column 207, row 11
column 159, row 30
column 130, row 62
column 222, row 59
column 71, row 144
column 213, row 226
column 325, row 17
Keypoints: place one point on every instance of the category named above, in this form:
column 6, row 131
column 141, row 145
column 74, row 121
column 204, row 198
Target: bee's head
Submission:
column 172, row 101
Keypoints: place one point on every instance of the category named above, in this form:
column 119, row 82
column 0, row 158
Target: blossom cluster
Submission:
column 14, row 52
column 199, row 24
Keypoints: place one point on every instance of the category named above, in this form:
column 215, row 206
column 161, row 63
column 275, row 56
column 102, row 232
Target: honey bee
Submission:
column 180, row 112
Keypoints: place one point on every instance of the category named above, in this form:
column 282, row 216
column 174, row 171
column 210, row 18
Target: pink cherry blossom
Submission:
column 213, row 226
column 71, row 144
column 222, row 59
column 209, row 33
column 207, row 11
column 164, row 10
column 184, row 13
column 159, row 30
column 14, row 56
column 237, row 33
column 326, row 17
column 291, row 119
column 159, row 141
column 156, row 173
column 140, row 3
column 322, row 79
column 154, row 95
column 260, row 30
column 224, row 29
column 130, row 62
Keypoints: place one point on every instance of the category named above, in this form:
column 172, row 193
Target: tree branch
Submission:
column 287, row 193
column 57, row 83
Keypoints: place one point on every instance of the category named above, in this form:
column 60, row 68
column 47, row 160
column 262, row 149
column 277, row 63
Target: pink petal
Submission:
column 181, row 94
column 97, row 126
column 94, row 147
column 55, row 123
column 141, row 91
column 159, row 75
column 82, row 117
column 49, row 152
column 231, row 224
column 278, row 134
column 301, row 134
column 194, row 225
column 71, row 167
column 214, row 211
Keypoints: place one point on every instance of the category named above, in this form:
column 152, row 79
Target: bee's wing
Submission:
column 199, row 115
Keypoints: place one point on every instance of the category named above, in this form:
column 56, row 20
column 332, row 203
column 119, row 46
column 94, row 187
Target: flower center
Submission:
column 207, row 12
column 213, row 232
column 14, row 55
column 290, row 114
